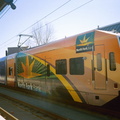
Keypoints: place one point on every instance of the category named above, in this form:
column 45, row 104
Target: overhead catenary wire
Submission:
column 65, row 14
column 47, row 15
column 37, row 21
column 4, row 13
column 54, row 19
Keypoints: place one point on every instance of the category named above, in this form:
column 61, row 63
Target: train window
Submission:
column 97, row 97
column 10, row 70
column 77, row 66
column 112, row 64
column 2, row 68
column 99, row 62
column 115, row 85
column 61, row 66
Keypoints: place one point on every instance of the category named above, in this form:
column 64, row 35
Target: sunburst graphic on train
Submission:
column 27, row 69
column 85, row 41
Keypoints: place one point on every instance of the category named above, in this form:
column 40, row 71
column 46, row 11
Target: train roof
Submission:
column 11, row 56
column 3, row 58
column 110, row 32
column 65, row 42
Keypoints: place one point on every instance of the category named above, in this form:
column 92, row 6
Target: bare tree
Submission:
column 42, row 34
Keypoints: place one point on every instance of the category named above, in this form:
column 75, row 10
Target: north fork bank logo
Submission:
column 27, row 69
column 85, row 42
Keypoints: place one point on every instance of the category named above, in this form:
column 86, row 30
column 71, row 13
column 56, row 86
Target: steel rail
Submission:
column 7, row 115
column 34, row 108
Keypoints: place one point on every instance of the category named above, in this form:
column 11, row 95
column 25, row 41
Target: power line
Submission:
column 8, row 41
column 38, row 20
column 65, row 14
column 4, row 13
column 71, row 11
column 54, row 19
column 47, row 15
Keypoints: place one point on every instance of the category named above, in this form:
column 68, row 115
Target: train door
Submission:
column 11, row 78
column 99, row 74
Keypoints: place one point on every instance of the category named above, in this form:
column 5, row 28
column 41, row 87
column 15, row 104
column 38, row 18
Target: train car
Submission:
column 3, row 70
column 80, row 69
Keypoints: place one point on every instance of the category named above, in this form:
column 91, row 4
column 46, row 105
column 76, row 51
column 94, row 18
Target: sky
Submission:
column 67, row 17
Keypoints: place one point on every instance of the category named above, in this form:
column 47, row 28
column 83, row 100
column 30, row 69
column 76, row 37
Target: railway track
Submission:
column 5, row 115
column 25, row 108
column 31, row 109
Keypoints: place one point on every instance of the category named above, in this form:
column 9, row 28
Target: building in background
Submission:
column 112, row 27
column 12, row 50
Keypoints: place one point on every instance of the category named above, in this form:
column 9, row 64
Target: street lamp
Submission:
column 4, row 3
column 10, row 2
